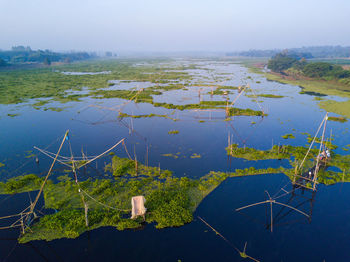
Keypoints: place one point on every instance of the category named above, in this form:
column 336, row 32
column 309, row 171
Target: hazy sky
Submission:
column 177, row 25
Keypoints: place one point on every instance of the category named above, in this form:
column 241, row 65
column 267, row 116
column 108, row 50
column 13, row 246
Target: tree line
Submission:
column 21, row 54
column 287, row 63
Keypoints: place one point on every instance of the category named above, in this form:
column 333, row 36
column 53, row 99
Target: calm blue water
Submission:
column 94, row 129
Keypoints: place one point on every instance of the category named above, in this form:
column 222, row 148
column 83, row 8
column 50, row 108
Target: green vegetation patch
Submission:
column 287, row 136
column 20, row 184
column 17, row 86
column 173, row 132
column 12, row 115
column 234, row 111
column 195, row 155
column 142, row 97
column 170, row 201
column 266, row 95
column 122, row 115
column 337, row 119
column 254, row 154
column 341, row 108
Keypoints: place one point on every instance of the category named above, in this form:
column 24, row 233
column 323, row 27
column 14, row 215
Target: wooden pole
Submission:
column 32, row 206
column 135, row 159
column 318, row 157
column 105, row 152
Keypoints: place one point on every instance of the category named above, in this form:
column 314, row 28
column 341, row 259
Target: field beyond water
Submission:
column 323, row 89
column 201, row 138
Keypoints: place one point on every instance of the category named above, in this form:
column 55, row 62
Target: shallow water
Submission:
column 94, row 126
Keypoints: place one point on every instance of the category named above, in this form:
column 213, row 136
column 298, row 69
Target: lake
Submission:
column 94, row 126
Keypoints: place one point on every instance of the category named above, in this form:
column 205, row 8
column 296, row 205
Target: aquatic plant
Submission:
column 170, row 200
column 286, row 136
column 337, row 119
column 266, row 95
column 122, row 115
column 173, row 132
column 195, row 155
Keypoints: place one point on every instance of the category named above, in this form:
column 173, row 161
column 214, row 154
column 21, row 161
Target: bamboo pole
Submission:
column 32, row 206
column 105, row 152
column 318, row 157
column 242, row 254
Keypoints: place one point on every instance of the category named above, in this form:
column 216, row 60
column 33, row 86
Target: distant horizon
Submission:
column 172, row 51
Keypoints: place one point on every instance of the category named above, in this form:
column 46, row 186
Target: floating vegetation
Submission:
column 20, row 184
column 18, row 86
column 318, row 98
column 2, row 164
column 267, row 96
column 254, row 154
column 12, row 115
column 175, row 156
column 122, row 115
column 221, row 90
column 195, row 155
column 142, row 97
column 287, row 136
column 173, row 132
column 55, row 109
column 234, row 111
column 337, row 119
column 346, row 148
column 171, row 201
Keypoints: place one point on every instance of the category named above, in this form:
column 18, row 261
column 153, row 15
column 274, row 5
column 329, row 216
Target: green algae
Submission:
column 171, row 201
column 234, row 111
column 255, row 154
column 142, row 97
column 173, row 132
column 267, row 96
column 175, row 156
column 20, row 184
column 337, row 119
column 195, row 155
column 287, row 136
column 18, row 86
column 122, row 115
column 12, row 115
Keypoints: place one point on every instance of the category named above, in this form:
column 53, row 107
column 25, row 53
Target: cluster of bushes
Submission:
column 21, row 54
column 285, row 61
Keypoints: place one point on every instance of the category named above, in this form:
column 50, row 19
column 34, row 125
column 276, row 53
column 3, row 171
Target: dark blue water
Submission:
column 294, row 237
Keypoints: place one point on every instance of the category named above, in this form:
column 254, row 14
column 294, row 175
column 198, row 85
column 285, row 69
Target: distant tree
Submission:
column 281, row 62
column 19, row 48
column 318, row 69
column 300, row 65
column 339, row 72
column 2, row 62
column 47, row 61
column 67, row 60
column 109, row 54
